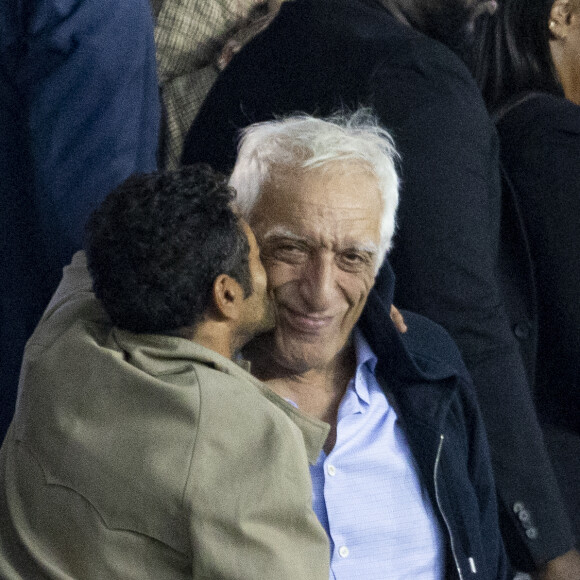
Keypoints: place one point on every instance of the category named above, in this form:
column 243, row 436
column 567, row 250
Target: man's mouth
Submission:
column 305, row 323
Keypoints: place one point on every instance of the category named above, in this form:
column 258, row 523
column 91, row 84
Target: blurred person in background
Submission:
column 79, row 112
column 195, row 39
column 528, row 66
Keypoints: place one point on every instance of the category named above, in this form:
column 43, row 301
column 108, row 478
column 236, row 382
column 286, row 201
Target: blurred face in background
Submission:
column 564, row 27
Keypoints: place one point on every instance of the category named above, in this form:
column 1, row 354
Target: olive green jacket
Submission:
column 150, row 457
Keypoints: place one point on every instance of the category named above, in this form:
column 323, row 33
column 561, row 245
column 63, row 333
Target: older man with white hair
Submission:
column 403, row 486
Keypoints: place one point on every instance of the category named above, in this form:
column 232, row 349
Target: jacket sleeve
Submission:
column 445, row 260
column 249, row 496
column 187, row 32
column 480, row 473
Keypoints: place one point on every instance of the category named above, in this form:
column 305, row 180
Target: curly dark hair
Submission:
column 157, row 243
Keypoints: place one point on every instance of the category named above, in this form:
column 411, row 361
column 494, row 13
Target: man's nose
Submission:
column 318, row 284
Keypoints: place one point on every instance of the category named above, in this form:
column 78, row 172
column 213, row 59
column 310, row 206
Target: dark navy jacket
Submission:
column 425, row 380
column 79, row 112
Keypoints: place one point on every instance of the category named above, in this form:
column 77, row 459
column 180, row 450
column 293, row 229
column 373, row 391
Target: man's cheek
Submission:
column 278, row 274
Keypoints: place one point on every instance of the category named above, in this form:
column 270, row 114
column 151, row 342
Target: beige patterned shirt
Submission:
column 188, row 34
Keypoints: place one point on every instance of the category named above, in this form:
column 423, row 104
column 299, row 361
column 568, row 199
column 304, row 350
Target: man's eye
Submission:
column 289, row 248
column 289, row 252
column 353, row 261
column 353, row 258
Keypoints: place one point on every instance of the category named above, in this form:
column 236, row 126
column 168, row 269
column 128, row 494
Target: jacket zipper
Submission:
column 435, row 474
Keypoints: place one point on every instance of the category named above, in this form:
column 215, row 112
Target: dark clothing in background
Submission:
column 320, row 55
column 79, row 113
column 425, row 380
column 540, row 152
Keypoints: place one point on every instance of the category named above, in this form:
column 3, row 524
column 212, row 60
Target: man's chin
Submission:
column 301, row 353
column 270, row 359
column 261, row 341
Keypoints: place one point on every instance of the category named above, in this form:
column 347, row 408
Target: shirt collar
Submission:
column 366, row 362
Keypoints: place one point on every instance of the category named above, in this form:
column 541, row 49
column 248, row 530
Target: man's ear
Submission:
column 228, row 296
column 560, row 18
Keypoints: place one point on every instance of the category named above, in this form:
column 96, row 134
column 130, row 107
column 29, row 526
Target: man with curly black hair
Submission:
column 139, row 449
column 157, row 246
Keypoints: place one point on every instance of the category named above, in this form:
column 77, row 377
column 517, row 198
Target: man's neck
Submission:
column 317, row 392
column 215, row 336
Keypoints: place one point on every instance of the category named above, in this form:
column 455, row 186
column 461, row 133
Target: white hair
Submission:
column 303, row 141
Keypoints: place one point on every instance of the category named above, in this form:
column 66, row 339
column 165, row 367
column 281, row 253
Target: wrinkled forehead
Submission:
column 335, row 184
column 338, row 202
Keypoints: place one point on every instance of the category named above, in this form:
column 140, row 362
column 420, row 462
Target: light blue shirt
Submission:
column 367, row 493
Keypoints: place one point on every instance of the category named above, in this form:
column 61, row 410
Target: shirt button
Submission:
column 524, row 516
column 343, row 552
column 331, row 470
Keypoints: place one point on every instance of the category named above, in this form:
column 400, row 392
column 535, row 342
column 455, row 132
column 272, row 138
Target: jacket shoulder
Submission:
column 431, row 346
column 236, row 412
column 550, row 112
column 426, row 352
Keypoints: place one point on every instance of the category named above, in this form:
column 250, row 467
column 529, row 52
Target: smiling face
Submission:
column 319, row 233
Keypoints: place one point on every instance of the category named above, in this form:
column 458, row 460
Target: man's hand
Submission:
column 399, row 322
column 564, row 567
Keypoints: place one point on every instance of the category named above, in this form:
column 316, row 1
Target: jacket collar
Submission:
column 424, row 353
